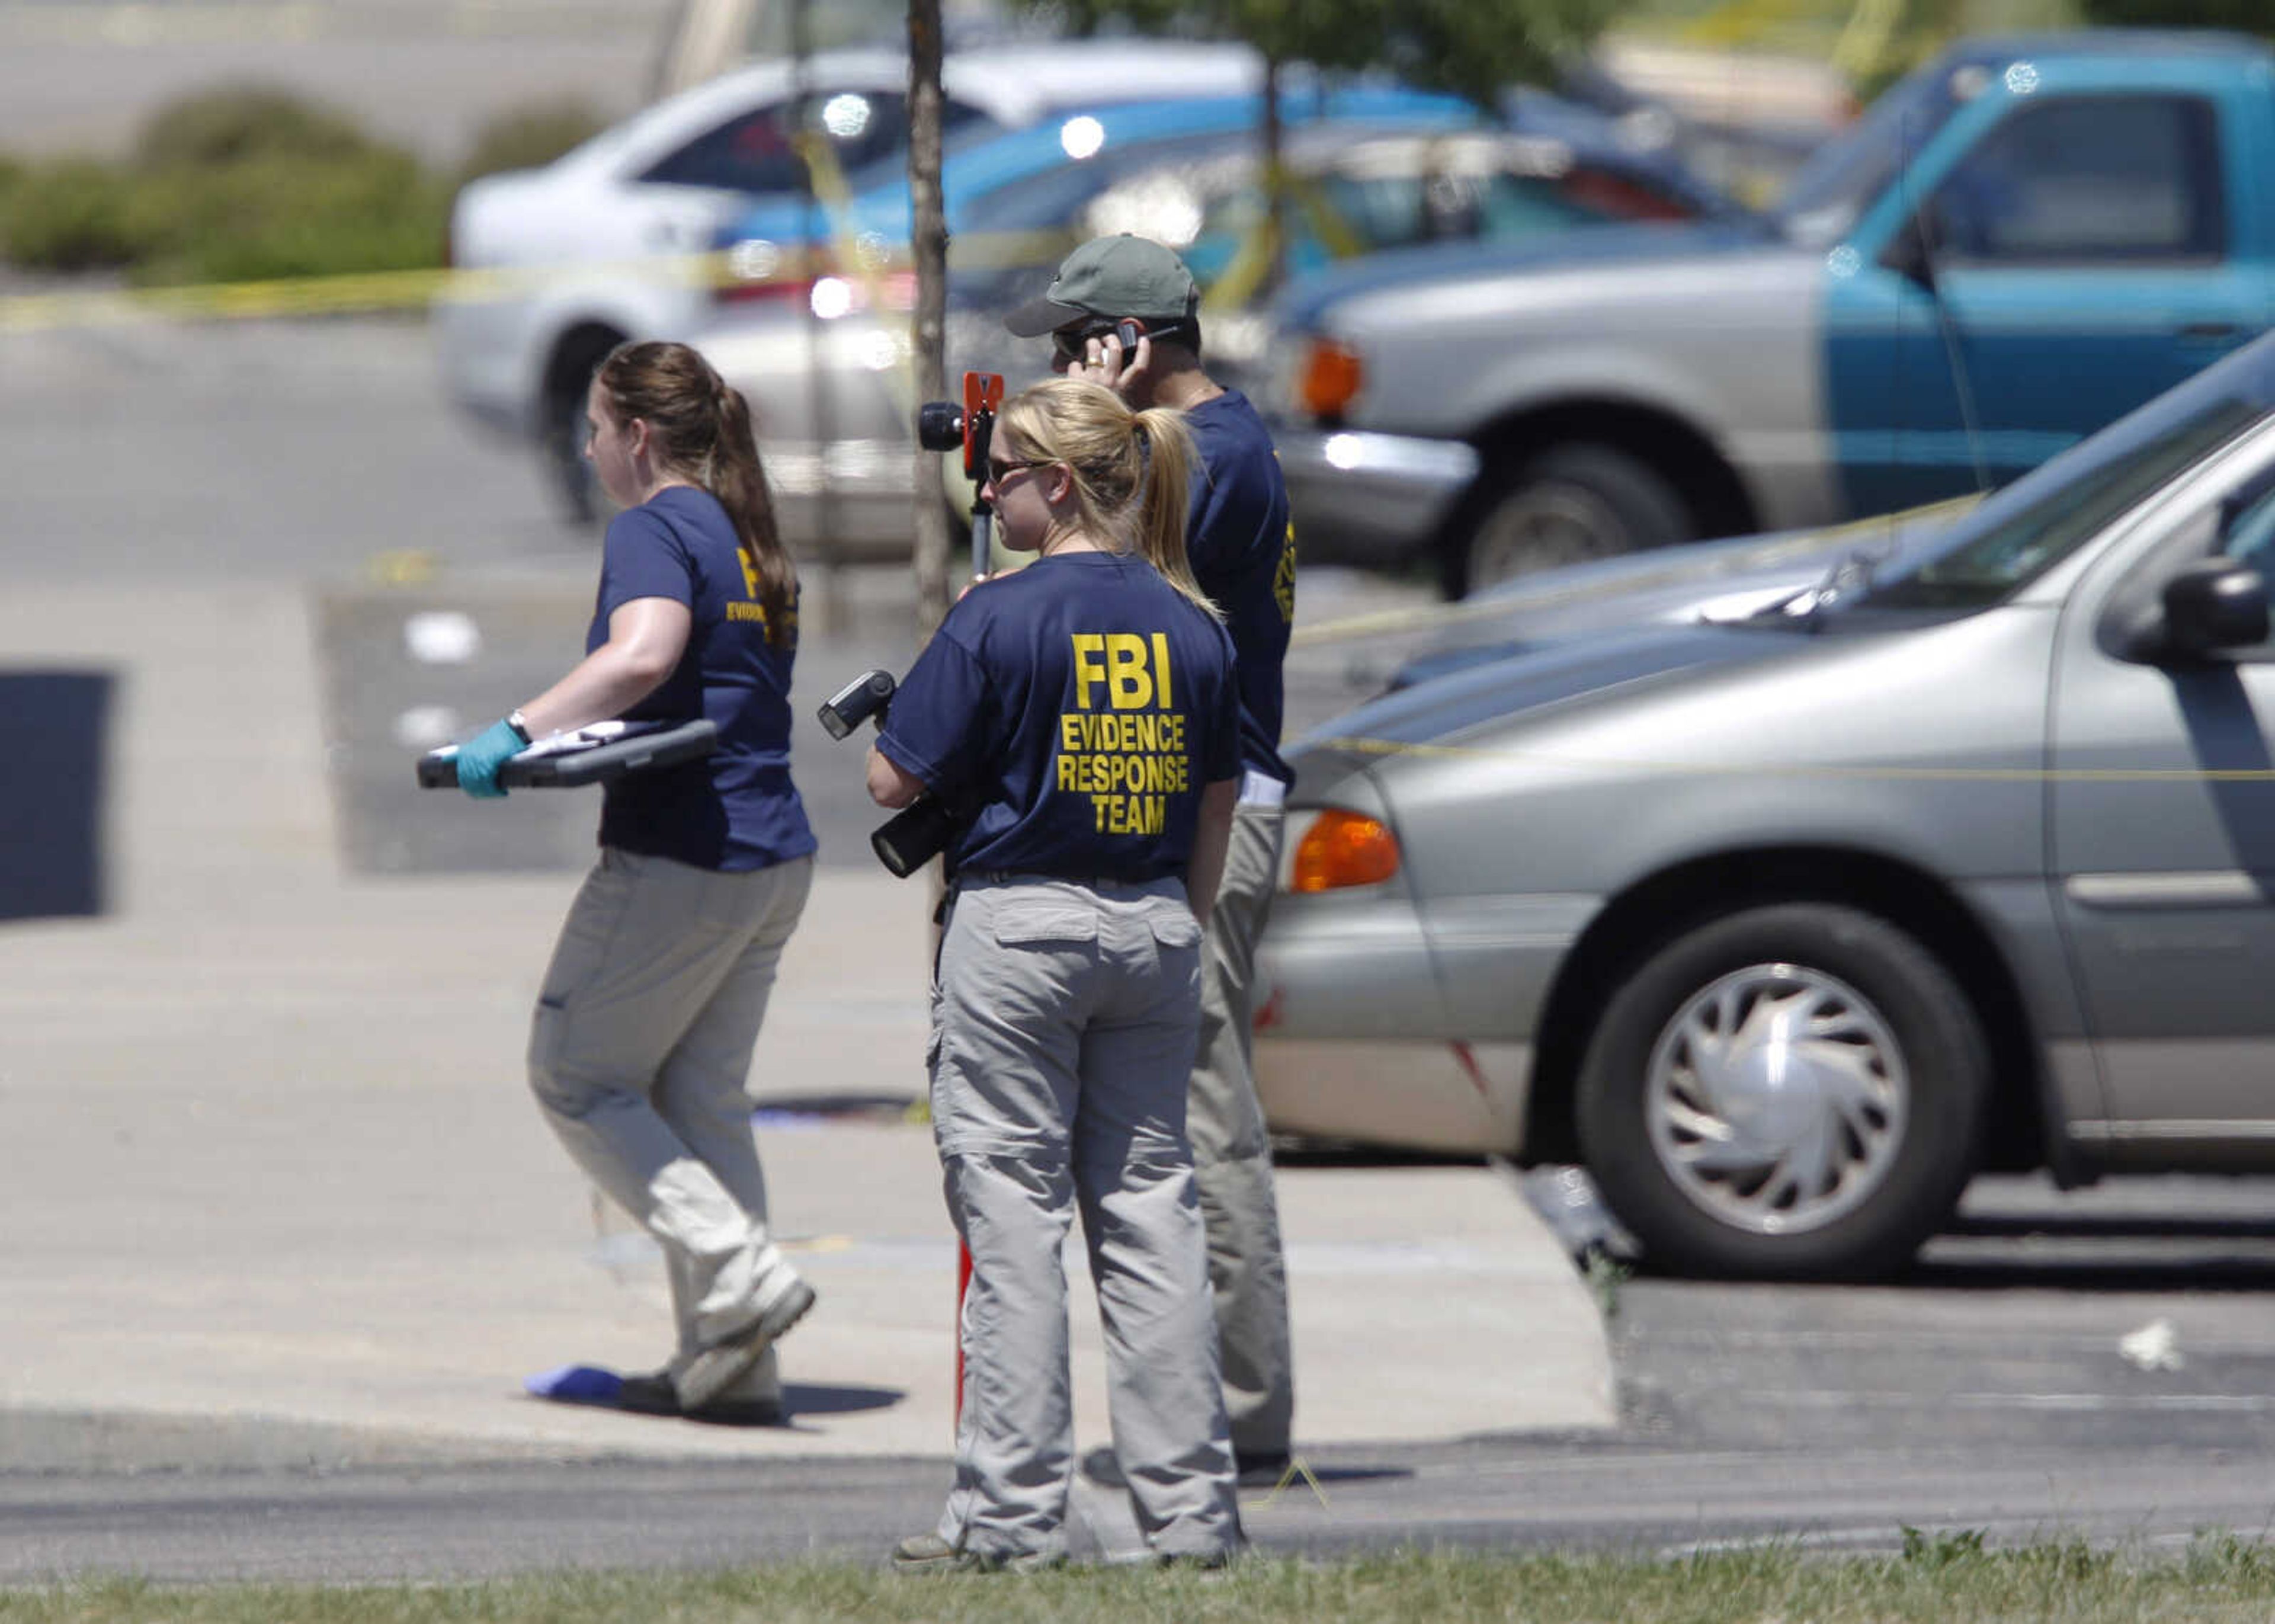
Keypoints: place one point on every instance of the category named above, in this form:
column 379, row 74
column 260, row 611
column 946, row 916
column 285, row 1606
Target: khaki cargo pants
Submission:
column 639, row 1055
column 1064, row 1025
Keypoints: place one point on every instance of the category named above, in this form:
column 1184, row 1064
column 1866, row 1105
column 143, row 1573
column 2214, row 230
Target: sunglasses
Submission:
column 999, row 471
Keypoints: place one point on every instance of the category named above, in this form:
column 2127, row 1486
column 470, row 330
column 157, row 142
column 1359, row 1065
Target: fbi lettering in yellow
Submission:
column 1123, row 744
column 1119, row 663
column 754, row 612
column 1283, row 577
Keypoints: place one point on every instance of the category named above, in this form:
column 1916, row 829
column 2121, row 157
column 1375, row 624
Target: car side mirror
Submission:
column 2212, row 604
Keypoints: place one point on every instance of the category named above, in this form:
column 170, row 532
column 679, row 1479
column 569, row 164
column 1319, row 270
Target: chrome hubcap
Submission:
column 1776, row 1098
column 1542, row 527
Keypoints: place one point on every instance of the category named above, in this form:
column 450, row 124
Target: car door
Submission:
column 2161, row 802
column 2081, row 257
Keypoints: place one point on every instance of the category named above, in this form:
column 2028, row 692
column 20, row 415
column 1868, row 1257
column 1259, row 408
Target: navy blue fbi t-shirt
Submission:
column 1242, row 545
column 736, row 808
column 1080, row 705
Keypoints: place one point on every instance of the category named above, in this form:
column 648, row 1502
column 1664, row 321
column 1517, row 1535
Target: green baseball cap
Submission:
column 1116, row 277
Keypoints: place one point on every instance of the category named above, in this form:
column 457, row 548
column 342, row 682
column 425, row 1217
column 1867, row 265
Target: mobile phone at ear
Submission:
column 1129, row 333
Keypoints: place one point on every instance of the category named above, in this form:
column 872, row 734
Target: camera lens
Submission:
column 939, row 425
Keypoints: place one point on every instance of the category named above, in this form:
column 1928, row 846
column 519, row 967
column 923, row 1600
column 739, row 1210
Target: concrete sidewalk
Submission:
column 276, row 1192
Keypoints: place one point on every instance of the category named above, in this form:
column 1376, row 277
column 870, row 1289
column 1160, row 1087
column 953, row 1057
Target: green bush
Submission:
column 237, row 124
column 248, row 183
column 231, row 185
column 78, row 215
column 279, row 216
column 524, row 138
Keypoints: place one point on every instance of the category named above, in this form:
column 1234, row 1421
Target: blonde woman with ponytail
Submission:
column 639, row 1054
column 1080, row 718
column 1123, row 311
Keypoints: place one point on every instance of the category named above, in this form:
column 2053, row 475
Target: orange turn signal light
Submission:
column 1331, row 379
column 1343, row 849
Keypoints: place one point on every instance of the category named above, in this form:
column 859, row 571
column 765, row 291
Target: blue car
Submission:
column 813, row 327
column 774, row 237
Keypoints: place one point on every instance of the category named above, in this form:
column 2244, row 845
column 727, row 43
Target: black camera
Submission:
column 913, row 836
column 920, row 831
column 945, row 425
column 865, row 695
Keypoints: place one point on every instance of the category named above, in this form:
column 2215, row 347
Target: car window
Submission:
column 1398, row 211
column 2088, row 180
column 2251, row 534
column 2036, row 523
column 1388, row 211
column 757, row 152
column 1521, row 205
column 1590, row 192
column 1843, row 177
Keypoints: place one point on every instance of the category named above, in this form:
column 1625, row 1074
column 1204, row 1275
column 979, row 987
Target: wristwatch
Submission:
column 515, row 720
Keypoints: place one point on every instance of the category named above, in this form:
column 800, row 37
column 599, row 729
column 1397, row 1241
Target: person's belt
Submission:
column 998, row 876
column 1261, row 790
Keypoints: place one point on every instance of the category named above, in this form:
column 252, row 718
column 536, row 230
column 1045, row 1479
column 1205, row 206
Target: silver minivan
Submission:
column 1786, row 925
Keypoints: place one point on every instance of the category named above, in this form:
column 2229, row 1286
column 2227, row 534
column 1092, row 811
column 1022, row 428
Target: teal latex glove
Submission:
column 481, row 757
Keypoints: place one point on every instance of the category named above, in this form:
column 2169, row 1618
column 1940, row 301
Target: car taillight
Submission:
column 1330, row 378
column 751, row 292
column 1343, row 849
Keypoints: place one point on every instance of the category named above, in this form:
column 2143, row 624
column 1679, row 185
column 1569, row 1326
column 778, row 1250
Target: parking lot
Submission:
column 1993, row 1387
column 220, row 538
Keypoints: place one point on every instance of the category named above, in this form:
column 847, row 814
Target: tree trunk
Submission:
column 929, row 324
column 1275, row 185
column 820, row 403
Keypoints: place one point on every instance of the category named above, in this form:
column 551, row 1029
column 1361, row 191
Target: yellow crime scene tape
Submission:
column 408, row 290
column 864, row 259
column 1363, row 746
column 1771, row 550
column 375, row 292
column 1429, row 617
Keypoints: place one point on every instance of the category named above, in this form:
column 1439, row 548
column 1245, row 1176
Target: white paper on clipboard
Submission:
column 562, row 744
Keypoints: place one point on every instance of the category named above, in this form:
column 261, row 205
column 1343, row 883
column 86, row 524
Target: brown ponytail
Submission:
column 702, row 429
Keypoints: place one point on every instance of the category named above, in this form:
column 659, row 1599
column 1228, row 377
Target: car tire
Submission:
column 1570, row 504
column 575, row 487
column 1729, row 1148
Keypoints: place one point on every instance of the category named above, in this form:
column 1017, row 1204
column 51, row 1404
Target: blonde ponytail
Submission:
column 1163, row 497
column 1133, row 470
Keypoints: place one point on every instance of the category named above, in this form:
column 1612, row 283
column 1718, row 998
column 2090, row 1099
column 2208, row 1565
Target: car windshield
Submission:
column 1840, row 180
column 2034, row 524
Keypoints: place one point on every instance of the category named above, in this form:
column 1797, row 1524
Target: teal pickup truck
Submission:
column 2017, row 245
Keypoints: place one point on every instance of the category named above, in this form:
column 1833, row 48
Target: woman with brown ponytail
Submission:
column 1082, row 712
column 639, row 1054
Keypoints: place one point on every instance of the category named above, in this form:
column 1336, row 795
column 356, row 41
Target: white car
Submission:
column 608, row 242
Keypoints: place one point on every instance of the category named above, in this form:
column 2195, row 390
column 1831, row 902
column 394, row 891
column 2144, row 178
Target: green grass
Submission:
column 1939, row 1579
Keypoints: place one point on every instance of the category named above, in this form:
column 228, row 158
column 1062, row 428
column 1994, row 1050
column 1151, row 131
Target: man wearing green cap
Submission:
column 1123, row 311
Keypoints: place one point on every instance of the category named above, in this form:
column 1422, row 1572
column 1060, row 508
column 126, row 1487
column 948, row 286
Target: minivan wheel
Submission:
column 1570, row 504
column 1793, row 1091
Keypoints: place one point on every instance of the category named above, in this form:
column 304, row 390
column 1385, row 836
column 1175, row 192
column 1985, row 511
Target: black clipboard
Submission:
column 590, row 756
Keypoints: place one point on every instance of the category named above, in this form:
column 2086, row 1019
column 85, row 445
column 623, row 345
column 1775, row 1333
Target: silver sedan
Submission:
column 1786, row 925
